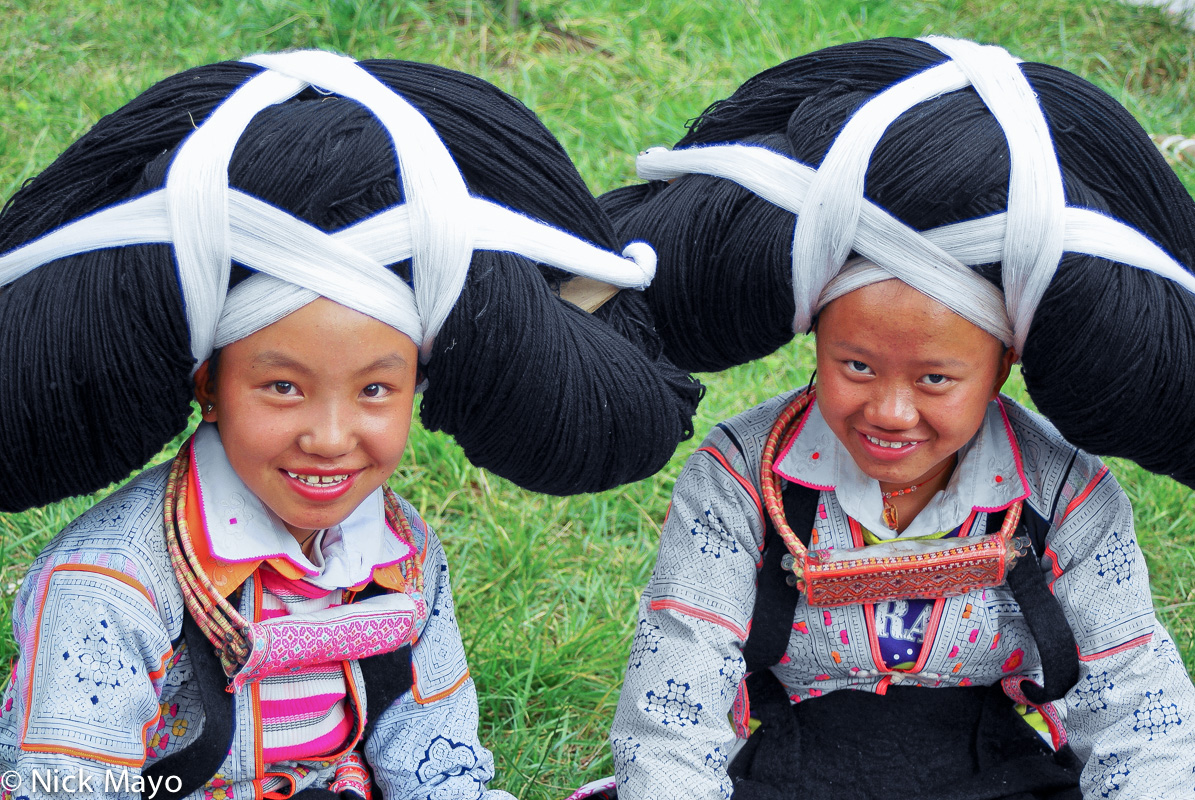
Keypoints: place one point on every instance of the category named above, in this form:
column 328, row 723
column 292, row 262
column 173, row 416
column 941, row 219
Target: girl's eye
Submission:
column 284, row 387
column 934, row 379
column 858, row 367
column 374, row 390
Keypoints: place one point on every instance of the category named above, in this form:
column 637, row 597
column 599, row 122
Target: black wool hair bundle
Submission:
column 1110, row 356
column 95, row 355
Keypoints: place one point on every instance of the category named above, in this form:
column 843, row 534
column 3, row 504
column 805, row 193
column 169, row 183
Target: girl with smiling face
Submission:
column 904, row 383
column 313, row 412
column 305, row 242
column 898, row 582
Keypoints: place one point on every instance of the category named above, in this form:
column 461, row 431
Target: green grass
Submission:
column 547, row 588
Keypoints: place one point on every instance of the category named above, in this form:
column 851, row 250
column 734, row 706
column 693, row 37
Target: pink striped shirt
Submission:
column 304, row 714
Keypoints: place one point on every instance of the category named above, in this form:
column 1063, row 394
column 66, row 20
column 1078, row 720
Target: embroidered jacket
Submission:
column 104, row 685
column 1130, row 718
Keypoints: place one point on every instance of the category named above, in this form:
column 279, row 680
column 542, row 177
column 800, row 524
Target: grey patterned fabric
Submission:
column 1130, row 718
column 99, row 688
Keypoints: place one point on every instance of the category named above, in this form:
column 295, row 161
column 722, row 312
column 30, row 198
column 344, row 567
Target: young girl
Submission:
column 874, row 571
column 313, row 239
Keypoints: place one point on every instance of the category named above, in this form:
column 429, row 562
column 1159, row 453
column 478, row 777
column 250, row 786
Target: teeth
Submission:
column 318, row 480
column 883, row 443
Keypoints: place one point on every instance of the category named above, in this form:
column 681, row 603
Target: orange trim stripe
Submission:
column 931, row 632
column 873, row 640
column 1140, row 640
column 721, row 459
column 698, row 613
column 1054, row 566
column 1078, row 501
column 123, row 578
column 111, row 573
column 421, row 700
column 225, row 576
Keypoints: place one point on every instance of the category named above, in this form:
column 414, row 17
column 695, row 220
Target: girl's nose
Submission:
column 329, row 432
column 892, row 408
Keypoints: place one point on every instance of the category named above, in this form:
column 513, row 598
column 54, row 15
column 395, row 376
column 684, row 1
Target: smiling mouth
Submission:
column 319, row 480
column 883, row 443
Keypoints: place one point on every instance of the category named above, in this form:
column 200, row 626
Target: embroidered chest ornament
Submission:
column 894, row 569
column 248, row 650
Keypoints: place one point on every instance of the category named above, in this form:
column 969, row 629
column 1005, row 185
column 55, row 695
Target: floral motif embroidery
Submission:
column 674, row 706
column 444, row 759
column 1090, row 691
column 647, row 640
column 715, row 761
column 219, row 788
column 716, row 540
column 1117, row 561
column 1112, row 772
column 1158, row 717
column 625, row 749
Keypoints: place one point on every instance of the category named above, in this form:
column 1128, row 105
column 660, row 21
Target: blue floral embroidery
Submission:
column 716, row 761
column 625, row 750
column 1158, row 717
column 1117, row 562
column 716, row 540
column 1090, row 691
column 444, row 759
column 1166, row 650
column 674, row 705
column 647, row 640
column 1112, row 772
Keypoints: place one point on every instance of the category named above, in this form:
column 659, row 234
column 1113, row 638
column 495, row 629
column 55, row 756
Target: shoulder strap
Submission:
column 196, row 763
column 1043, row 614
column 775, row 599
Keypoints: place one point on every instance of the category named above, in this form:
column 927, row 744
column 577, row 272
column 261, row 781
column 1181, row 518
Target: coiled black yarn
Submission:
column 1110, row 357
column 94, row 351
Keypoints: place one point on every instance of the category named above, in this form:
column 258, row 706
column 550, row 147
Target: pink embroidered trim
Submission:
column 1016, row 457
column 784, row 454
column 592, row 788
column 283, row 646
column 352, row 775
column 699, row 613
column 1012, row 688
column 740, row 711
column 1129, row 645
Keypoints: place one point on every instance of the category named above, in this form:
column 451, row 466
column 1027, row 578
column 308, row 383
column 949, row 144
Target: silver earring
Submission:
column 209, row 408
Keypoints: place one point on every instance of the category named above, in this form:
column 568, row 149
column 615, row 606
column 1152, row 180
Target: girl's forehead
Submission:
column 895, row 321
column 324, row 335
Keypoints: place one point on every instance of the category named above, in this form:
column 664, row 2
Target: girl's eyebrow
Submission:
column 390, row 361
column 947, row 363
column 273, row 358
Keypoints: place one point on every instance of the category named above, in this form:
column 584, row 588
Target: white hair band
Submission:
column 211, row 224
column 1028, row 239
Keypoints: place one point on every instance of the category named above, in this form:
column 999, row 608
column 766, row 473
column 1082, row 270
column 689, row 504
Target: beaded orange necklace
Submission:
column 890, row 517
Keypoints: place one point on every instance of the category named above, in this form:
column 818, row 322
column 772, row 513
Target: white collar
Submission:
column 989, row 476
column 240, row 528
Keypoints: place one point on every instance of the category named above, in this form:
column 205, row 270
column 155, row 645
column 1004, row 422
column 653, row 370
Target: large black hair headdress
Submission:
column 938, row 161
column 228, row 196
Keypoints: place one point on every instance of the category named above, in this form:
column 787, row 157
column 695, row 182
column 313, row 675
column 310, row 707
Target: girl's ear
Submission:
column 205, row 391
column 1006, row 361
